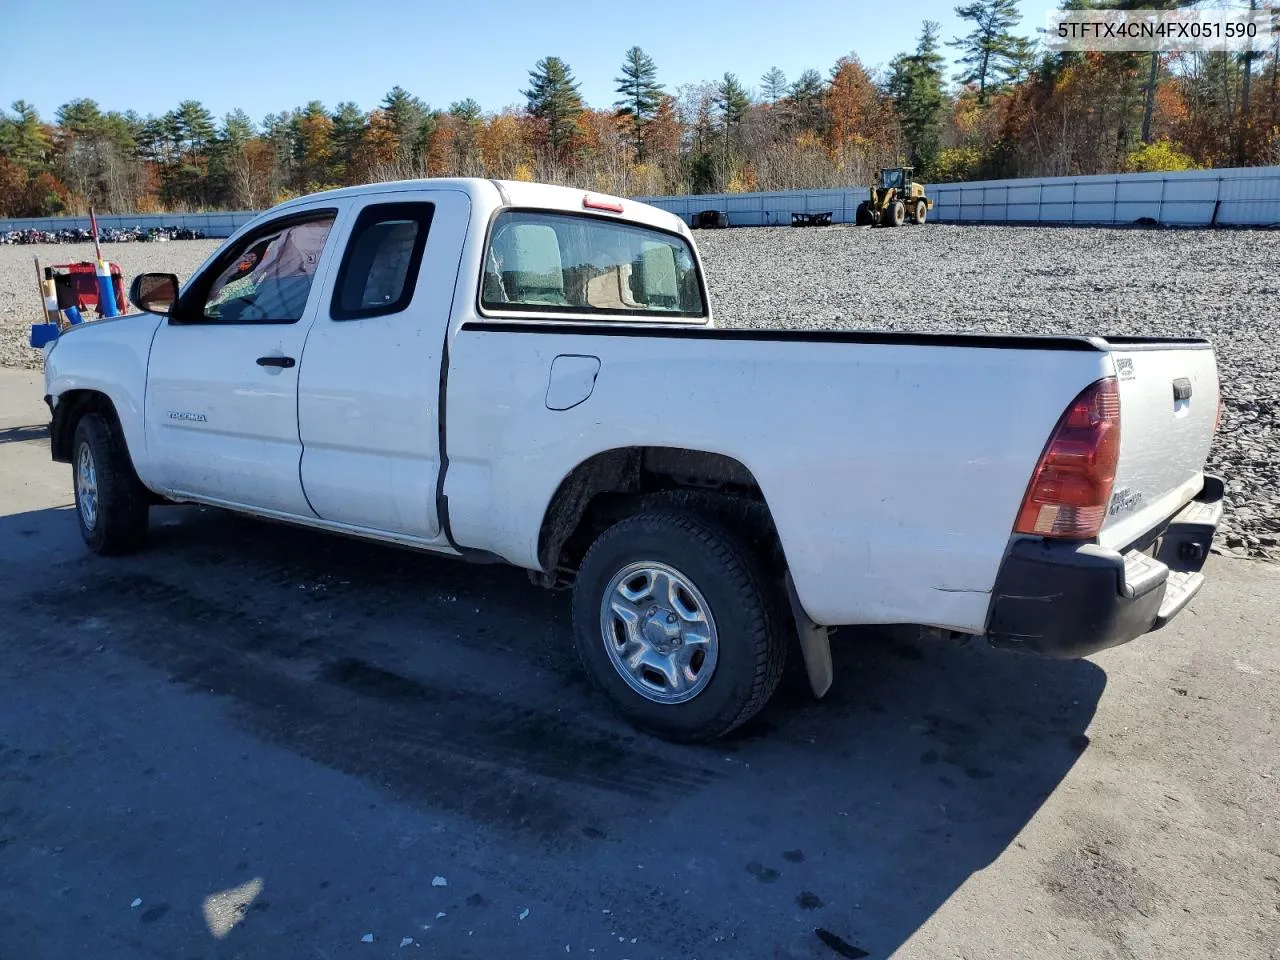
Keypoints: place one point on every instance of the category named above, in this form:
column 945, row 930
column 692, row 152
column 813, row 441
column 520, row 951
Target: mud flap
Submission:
column 815, row 645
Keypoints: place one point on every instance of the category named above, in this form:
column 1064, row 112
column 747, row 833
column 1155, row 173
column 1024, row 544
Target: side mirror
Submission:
column 154, row 292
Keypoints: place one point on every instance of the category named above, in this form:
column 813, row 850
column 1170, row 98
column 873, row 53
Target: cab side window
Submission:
column 379, row 270
column 267, row 278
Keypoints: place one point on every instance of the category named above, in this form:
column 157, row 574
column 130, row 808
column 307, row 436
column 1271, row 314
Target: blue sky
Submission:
column 271, row 55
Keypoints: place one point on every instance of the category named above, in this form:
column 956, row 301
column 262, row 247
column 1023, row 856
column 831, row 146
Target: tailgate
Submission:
column 1168, row 409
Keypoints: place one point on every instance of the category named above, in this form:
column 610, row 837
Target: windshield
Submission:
column 891, row 178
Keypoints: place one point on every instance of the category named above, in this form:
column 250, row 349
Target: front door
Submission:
column 222, row 391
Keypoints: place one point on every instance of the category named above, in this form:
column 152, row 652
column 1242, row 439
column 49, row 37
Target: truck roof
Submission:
column 493, row 194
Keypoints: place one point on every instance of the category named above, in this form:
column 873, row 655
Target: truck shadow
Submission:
column 453, row 688
column 37, row 431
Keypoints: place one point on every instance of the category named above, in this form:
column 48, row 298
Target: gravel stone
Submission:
column 1222, row 285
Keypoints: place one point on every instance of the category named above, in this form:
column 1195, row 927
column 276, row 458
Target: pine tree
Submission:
column 774, row 85
column 992, row 53
column 554, row 99
column 731, row 100
column 406, row 115
column 807, row 95
column 226, row 155
column 151, row 139
column 237, row 128
column 466, row 111
column 469, row 121
column 194, row 125
column 915, row 84
column 349, row 124
column 80, row 118
column 641, row 95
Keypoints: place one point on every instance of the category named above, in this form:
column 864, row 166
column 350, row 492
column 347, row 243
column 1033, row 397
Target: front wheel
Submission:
column 862, row 215
column 677, row 622
column 894, row 214
column 111, row 502
column 922, row 211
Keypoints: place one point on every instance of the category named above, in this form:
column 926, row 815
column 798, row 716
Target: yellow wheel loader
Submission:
column 896, row 200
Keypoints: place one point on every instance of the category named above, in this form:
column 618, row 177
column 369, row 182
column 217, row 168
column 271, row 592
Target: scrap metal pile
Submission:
column 110, row 235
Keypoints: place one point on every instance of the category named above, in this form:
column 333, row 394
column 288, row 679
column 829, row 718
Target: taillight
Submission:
column 1069, row 491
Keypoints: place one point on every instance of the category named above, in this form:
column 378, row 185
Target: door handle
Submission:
column 276, row 361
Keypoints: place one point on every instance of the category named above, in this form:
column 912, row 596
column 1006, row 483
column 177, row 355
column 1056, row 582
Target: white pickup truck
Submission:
column 529, row 374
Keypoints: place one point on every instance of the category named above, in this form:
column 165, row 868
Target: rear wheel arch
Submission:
column 617, row 483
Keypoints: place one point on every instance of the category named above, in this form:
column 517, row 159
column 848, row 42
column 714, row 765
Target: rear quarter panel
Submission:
column 893, row 472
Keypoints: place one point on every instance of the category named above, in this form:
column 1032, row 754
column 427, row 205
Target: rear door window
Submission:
column 379, row 270
column 579, row 264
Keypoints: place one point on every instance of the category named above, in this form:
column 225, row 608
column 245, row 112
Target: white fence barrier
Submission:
column 1245, row 196
column 764, row 209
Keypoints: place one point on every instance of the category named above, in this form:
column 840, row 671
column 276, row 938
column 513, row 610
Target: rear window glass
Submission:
column 575, row 264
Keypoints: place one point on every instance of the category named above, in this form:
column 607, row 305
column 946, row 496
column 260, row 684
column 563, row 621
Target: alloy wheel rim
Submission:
column 87, row 487
column 659, row 632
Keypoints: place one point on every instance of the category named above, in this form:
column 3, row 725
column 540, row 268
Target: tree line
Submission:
column 1011, row 110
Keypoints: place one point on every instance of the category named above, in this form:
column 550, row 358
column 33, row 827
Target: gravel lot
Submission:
column 1221, row 285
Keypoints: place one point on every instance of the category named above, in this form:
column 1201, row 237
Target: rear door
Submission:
column 1168, row 410
column 369, row 393
column 222, row 385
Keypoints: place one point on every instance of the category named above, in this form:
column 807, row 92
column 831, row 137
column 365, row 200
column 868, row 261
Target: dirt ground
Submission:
column 253, row 741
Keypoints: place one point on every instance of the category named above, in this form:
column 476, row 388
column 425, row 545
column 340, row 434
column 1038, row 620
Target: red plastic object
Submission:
column 86, row 284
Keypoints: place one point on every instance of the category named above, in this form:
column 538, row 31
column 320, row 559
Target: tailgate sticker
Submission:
column 1124, row 501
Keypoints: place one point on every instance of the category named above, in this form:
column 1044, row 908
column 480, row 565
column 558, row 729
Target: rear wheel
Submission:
column 894, row 214
column 112, row 505
column 922, row 211
column 679, row 625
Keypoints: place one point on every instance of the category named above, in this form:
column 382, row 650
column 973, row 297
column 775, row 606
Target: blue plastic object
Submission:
column 106, row 293
column 42, row 333
column 73, row 314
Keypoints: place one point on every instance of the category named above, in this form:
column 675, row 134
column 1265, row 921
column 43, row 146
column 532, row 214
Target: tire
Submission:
column 894, row 214
column 922, row 211
column 112, row 505
column 738, row 649
column 862, row 216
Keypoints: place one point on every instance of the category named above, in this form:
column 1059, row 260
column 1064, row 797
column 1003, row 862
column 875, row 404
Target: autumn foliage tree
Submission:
column 1008, row 115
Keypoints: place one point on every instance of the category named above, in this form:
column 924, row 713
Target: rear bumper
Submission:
column 1067, row 600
